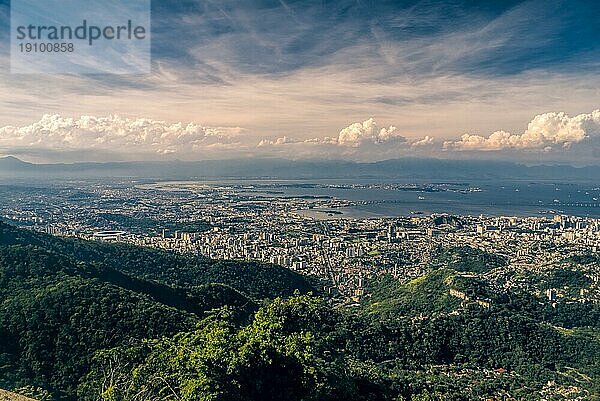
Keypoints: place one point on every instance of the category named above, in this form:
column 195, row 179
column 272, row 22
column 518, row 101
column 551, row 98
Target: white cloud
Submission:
column 142, row 138
column 115, row 134
column 357, row 134
column 353, row 136
column 544, row 132
column 425, row 141
column 279, row 141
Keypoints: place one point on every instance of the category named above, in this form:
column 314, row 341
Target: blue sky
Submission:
column 269, row 37
column 337, row 79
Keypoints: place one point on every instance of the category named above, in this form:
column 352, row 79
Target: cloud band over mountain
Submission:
column 549, row 132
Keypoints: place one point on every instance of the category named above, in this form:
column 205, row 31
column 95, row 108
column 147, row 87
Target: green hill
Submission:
column 256, row 280
column 63, row 299
column 468, row 259
column 52, row 320
column 426, row 294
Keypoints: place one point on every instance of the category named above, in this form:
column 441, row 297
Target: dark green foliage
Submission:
column 255, row 280
column 427, row 294
column 269, row 359
column 50, row 327
column 467, row 259
column 299, row 349
column 474, row 287
column 559, row 278
column 94, row 321
column 584, row 259
column 61, row 300
column 567, row 314
column 447, row 219
column 54, row 311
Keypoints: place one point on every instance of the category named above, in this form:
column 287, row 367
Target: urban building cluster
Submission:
column 237, row 223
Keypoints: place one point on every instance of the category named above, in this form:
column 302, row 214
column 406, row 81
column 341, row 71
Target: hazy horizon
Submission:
column 267, row 158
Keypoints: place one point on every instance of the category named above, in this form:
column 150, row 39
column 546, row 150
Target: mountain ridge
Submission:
column 404, row 168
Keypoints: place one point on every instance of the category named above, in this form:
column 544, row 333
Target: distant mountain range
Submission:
column 405, row 169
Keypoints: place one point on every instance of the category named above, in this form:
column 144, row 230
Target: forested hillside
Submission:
column 61, row 300
column 93, row 321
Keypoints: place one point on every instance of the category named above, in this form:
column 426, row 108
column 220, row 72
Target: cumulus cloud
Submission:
column 357, row 134
column 353, row 136
column 116, row 134
column 144, row 138
column 425, row 141
column 545, row 132
column 279, row 141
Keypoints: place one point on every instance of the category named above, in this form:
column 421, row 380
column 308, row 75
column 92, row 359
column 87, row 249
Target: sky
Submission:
column 355, row 80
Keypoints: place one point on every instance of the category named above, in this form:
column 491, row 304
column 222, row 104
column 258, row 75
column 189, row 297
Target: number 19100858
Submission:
column 46, row 47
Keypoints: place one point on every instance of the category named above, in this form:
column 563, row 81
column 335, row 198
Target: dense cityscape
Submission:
column 243, row 222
